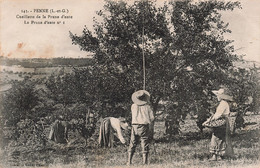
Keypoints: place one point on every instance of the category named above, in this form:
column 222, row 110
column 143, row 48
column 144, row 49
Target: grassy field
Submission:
column 190, row 149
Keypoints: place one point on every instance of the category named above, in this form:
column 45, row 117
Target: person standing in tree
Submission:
column 142, row 117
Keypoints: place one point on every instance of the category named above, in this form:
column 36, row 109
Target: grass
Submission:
column 190, row 149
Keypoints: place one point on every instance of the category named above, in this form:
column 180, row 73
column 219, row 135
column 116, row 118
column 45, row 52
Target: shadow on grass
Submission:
column 250, row 123
column 201, row 156
column 44, row 155
column 184, row 139
column 245, row 143
column 246, row 138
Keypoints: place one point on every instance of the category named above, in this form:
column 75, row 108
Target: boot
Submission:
column 213, row 158
column 219, row 157
column 145, row 158
column 129, row 159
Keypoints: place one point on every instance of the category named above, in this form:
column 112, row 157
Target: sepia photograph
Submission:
column 129, row 83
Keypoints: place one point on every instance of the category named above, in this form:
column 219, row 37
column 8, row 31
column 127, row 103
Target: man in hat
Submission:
column 142, row 117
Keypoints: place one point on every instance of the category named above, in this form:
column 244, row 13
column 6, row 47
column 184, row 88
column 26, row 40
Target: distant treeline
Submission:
column 44, row 62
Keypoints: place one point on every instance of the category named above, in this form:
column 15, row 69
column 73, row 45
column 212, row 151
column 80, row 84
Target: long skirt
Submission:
column 221, row 141
column 106, row 136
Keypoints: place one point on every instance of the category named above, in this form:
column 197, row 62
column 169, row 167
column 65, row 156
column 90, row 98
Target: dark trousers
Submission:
column 218, row 141
column 139, row 133
column 221, row 141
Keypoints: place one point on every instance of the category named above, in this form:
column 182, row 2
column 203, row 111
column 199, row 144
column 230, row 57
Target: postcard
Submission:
column 109, row 83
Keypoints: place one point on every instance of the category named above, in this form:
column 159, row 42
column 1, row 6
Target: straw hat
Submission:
column 220, row 94
column 141, row 97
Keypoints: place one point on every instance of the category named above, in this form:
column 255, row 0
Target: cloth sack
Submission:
column 214, row 123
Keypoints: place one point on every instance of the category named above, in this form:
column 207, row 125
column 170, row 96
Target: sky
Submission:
column 20, row 40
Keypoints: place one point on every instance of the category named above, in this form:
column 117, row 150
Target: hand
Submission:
column 205, row 123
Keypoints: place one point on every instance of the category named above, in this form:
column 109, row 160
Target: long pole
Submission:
column 143, row 59
column 143, row 54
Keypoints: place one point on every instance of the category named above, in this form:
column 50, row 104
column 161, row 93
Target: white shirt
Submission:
column 222, row 110
column 142, row 114
column 115, row 124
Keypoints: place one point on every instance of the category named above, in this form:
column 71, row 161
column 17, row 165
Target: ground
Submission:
column 190, row 149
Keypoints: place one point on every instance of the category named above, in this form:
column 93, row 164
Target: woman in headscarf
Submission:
column 220, row 145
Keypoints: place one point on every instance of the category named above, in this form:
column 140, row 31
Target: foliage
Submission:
column 118, row 49
column 60, row 89
column 19, row 102
column 255, row 89
column 73, row 99
column 22, row 109
column 185, row 53
column 27, row 112
column 247, row 86
column 31, row 133
column 172, row 122
column 244, row 86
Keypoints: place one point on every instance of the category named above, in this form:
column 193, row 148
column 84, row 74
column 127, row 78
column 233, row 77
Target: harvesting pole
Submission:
column 144, row 74
column 143, row 58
